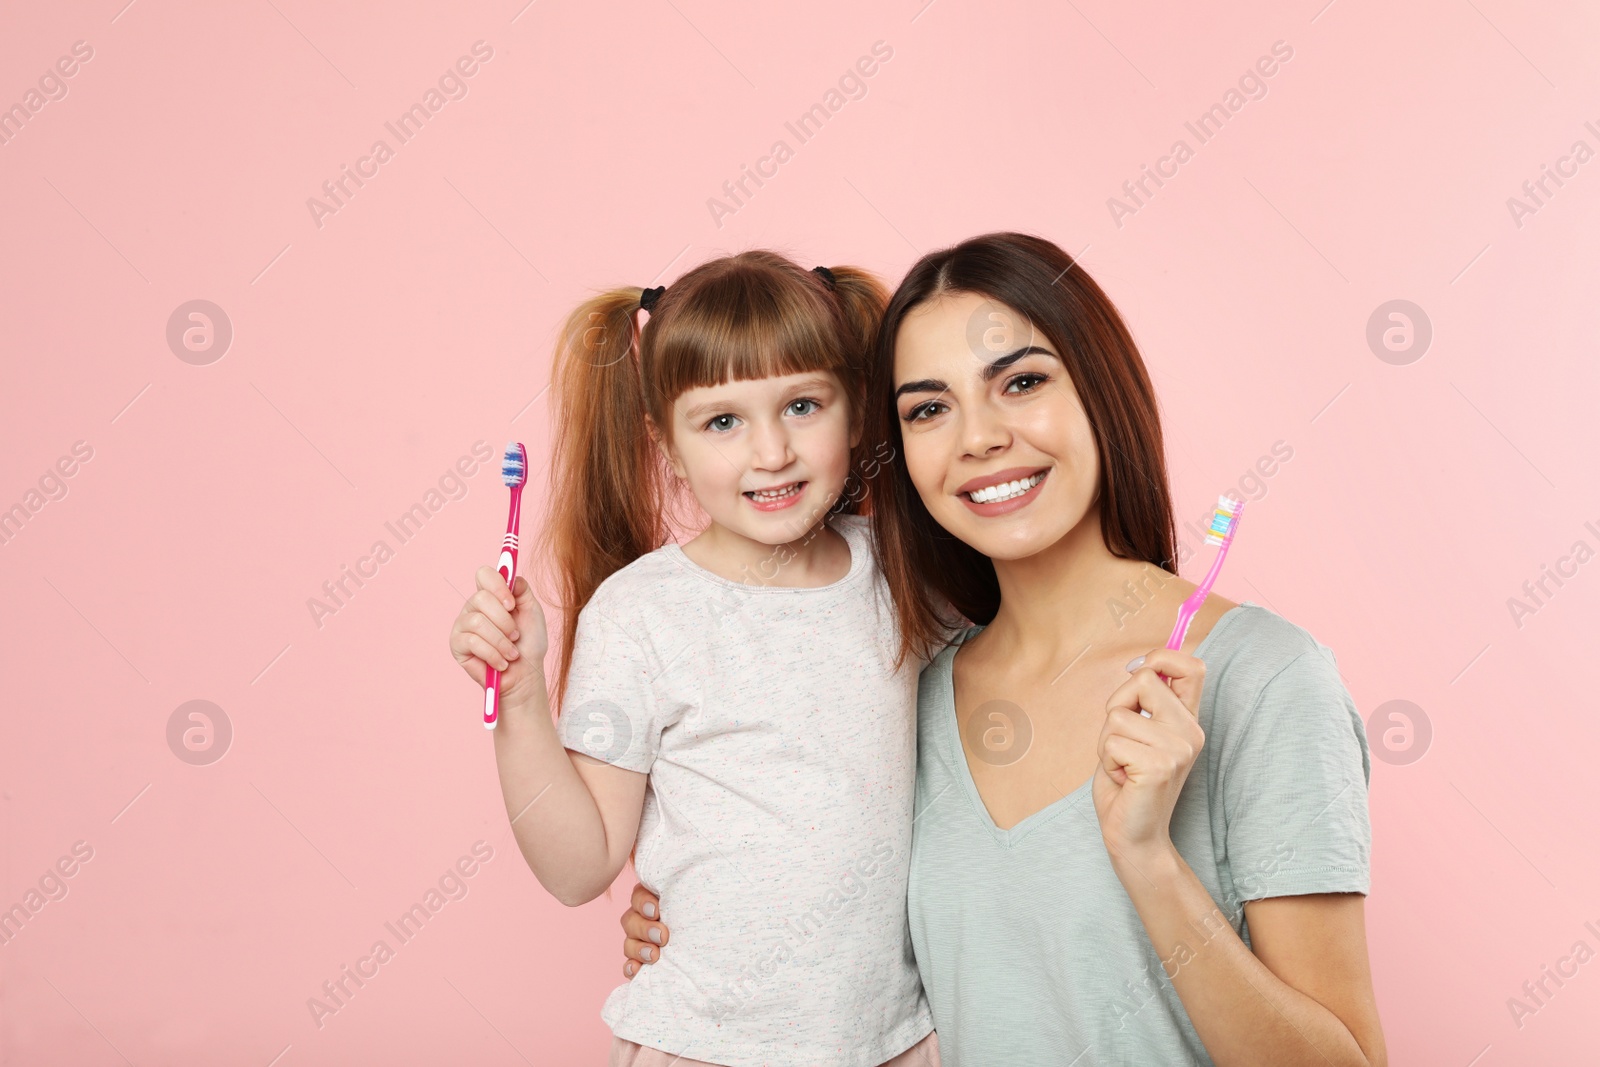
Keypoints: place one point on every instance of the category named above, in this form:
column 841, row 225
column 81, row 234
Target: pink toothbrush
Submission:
column 514, row 470
column 1224, row 524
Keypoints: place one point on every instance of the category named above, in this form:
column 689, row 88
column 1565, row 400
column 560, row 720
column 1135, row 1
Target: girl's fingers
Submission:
column 493, row 608
column 630, row 969
column 484, row 651
column 473, row 666
column 486, row 629
column 489, row 581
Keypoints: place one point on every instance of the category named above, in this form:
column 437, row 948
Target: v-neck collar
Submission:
column 1010, row 837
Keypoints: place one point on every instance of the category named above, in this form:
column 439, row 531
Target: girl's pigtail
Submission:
column 862, row 300
column 605, row 494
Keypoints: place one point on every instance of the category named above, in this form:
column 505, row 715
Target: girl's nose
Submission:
column 770, row 447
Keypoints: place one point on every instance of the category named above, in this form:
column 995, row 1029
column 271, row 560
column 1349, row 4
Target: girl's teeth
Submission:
column 765, row 495
column 1006, row 490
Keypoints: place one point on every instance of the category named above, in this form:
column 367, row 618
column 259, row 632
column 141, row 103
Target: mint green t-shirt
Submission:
column 1031, row 952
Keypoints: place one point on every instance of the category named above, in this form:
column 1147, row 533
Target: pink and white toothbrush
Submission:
column 514, row 470
column 1224, row 524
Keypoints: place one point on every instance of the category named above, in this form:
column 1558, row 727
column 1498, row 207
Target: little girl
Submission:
column 731, row 704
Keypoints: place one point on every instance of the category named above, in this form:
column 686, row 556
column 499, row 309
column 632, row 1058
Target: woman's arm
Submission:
column 1304, row 996
column 574, row 817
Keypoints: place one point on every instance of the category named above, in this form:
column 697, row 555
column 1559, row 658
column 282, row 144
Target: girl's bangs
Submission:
column 762, row 339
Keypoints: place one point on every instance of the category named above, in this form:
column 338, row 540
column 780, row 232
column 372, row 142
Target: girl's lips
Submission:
column 1002, row 507
column 780, row 503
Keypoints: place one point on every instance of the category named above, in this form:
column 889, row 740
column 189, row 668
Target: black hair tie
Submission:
column 648, row 298
column 827, row 276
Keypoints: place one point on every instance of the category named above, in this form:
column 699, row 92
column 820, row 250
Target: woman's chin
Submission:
column 1008, row 541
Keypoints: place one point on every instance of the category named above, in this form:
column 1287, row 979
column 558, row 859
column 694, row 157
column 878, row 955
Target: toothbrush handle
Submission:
column 1191, row 606
column 508, row 571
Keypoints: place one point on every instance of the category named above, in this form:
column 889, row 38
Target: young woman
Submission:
column 1089, row 884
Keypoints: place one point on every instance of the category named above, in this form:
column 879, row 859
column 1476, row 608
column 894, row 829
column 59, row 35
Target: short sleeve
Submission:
column 610, row 710
column 1294, row 788
column 952, row 626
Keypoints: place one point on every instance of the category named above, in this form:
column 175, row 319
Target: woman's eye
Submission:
column 802, row 403
column 1033, row 381
column 921, row 411
column 721, row 423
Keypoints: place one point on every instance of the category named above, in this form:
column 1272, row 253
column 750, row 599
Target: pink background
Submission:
column 371, row 352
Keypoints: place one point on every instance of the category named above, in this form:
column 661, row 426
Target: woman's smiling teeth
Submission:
column 767, row 496
column 1005, row 490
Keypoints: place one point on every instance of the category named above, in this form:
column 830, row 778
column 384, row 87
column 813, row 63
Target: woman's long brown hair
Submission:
column 753, row 315
column 922, row 562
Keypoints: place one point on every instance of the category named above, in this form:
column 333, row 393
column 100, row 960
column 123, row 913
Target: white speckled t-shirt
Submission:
column 781, row 748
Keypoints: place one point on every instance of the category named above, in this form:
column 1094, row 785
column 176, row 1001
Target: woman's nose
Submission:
column 982, row 430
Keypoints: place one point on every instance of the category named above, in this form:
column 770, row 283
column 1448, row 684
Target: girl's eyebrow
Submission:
column 810, row 385
column 934, row 385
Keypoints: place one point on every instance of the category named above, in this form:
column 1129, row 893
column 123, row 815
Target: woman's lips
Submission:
column 1010, row 504
column 763, row 500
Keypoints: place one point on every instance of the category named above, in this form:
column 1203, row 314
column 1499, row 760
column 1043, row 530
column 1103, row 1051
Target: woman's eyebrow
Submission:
column 1005, row 361
column 934, row 385
column 921, row 385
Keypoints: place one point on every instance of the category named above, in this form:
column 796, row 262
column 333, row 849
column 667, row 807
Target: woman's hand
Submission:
column 1145, row 761
column 644, row 933
column 495, row 629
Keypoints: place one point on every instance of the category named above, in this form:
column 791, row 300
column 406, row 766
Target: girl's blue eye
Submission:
column 721, row 423
column 804, row 400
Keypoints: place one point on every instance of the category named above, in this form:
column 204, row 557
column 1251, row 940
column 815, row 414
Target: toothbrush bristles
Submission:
column 1223, row 520
column 514, row 468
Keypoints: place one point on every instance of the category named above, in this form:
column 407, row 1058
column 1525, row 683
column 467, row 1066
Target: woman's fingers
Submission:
column 1135, row 727
column 643, row 930
column 1147, row 748
column 643, row 951
column 645, row 902
column 1118, row 752
column 1145, row 690
column 643, row 934
column 1187, row 674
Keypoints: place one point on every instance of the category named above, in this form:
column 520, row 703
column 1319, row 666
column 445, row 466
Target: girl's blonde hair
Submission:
column 752, row 315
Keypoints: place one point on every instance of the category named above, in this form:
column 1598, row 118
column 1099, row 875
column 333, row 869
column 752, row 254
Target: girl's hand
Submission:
column 1145, row 761
column 644, row 931
column 493, row 629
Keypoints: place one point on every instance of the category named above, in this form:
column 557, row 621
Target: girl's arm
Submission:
column 1304, row 996
column 574, row 817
